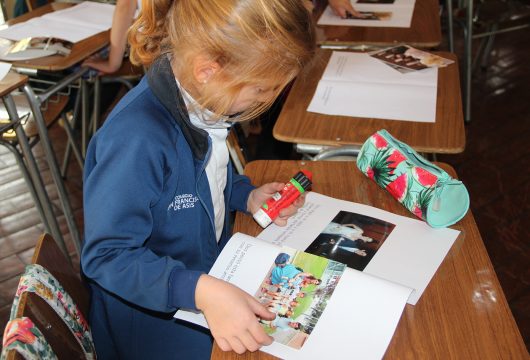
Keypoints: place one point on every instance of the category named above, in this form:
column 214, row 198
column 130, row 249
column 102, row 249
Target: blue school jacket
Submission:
column 149, row 223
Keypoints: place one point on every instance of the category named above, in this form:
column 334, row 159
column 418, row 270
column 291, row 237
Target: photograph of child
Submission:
column 352, row 239
column 370, row 15
column 375, row 1
column 297, row 289
column 409, row 58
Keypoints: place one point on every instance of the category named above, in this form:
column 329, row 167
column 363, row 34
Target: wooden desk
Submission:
column 296, row 125
column 25, row 159
column 463, row 313
column 424, row 31
column 55, row 63
column 80, row 50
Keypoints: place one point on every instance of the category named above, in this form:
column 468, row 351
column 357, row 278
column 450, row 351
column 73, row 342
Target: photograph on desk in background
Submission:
column 375, row 1
column 405, row 58
column 370, row 15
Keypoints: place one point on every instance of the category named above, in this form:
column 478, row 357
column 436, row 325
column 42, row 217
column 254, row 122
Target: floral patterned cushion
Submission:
column 38, row 280
column 24, row 337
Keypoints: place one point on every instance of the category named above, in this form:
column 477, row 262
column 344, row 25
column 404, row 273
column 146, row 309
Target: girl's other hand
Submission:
column 232, row 315
column 105, row 66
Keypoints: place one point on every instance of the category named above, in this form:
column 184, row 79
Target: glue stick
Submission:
column 280, row 200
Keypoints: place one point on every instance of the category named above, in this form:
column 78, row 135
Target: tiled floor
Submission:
column 495, row 167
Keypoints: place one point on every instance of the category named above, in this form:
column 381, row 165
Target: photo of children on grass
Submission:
column 297, row 289
column 352, row 239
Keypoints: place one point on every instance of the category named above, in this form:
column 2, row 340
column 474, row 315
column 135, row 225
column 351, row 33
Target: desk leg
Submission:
column 53, row 165
column 84, row 116
column 33, row 178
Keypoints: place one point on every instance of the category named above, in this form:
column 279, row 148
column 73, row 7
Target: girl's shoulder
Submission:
column 139, row 113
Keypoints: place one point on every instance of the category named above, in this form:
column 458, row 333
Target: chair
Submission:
column 55, row 331
column 340, row 153
column 483, row 21
column 236, row 151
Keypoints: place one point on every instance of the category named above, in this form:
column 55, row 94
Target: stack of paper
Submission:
column 355, row 84
column 383, row 13
column 72, row 24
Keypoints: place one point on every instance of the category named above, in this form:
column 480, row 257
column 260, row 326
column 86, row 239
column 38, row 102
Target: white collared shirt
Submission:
column 217, row 163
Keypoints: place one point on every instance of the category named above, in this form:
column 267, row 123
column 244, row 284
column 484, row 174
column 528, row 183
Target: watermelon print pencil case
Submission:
column 423, row 188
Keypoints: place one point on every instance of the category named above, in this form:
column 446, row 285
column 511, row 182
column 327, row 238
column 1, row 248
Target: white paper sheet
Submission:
column 355, row 84
column 72, row 24
column 4, row 69
column 401, row 15
column 409, row 256
column 358, row 321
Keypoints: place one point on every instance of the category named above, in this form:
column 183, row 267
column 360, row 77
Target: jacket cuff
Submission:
column 182, row 284
column 239, row 198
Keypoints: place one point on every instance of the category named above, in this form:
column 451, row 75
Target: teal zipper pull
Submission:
column 440, row 184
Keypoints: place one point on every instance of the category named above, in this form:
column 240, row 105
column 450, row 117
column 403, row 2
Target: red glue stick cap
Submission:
column 308, row 174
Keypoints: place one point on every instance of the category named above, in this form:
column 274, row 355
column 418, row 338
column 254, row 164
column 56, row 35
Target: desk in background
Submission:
column 424, row 31
column 24, row 156
column 463, row 313
column 317, row 131
column 56, row 63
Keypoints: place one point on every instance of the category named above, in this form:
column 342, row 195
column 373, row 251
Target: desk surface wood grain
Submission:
column 11, row 82
column 424, row 31
column 463, row 313
column 446, row 135
column 80, row 50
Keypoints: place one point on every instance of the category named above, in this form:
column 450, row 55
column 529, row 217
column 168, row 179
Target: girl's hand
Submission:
column 340, row 7
column 232, row 315
column 104, row 66
column 259, row 195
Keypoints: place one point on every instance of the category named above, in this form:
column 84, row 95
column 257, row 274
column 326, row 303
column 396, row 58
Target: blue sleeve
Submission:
column 241, row 188
column 290, row 271
column 123, row 180
column 276, row 275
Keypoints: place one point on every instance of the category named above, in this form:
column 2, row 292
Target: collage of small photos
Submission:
column 406, row 59
column 299, row 284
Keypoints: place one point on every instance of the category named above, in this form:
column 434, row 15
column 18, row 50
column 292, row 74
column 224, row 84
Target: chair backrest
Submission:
column 236, row 151
column 56, row 332
column 33, row 4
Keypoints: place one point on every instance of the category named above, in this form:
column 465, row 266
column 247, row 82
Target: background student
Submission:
column 158, row 185
column 122, row 19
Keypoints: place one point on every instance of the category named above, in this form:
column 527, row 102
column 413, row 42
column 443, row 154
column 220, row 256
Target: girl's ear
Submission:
column 204, row 69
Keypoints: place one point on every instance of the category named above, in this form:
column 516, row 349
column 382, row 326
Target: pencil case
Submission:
column 423, row 188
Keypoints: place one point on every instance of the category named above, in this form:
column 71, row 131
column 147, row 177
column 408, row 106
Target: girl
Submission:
column 158, row 185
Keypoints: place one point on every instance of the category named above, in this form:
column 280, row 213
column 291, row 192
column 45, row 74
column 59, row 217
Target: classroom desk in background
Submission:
column 80, row 50
column 57, row 64
column 463, row 313
column 424, row 32
column 296, row 125
column 24, row 156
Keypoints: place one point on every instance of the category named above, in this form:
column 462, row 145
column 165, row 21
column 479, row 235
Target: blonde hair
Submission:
column 252, row 40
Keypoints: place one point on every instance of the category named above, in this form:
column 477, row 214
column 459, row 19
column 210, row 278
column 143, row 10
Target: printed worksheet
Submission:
column 356, row 84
